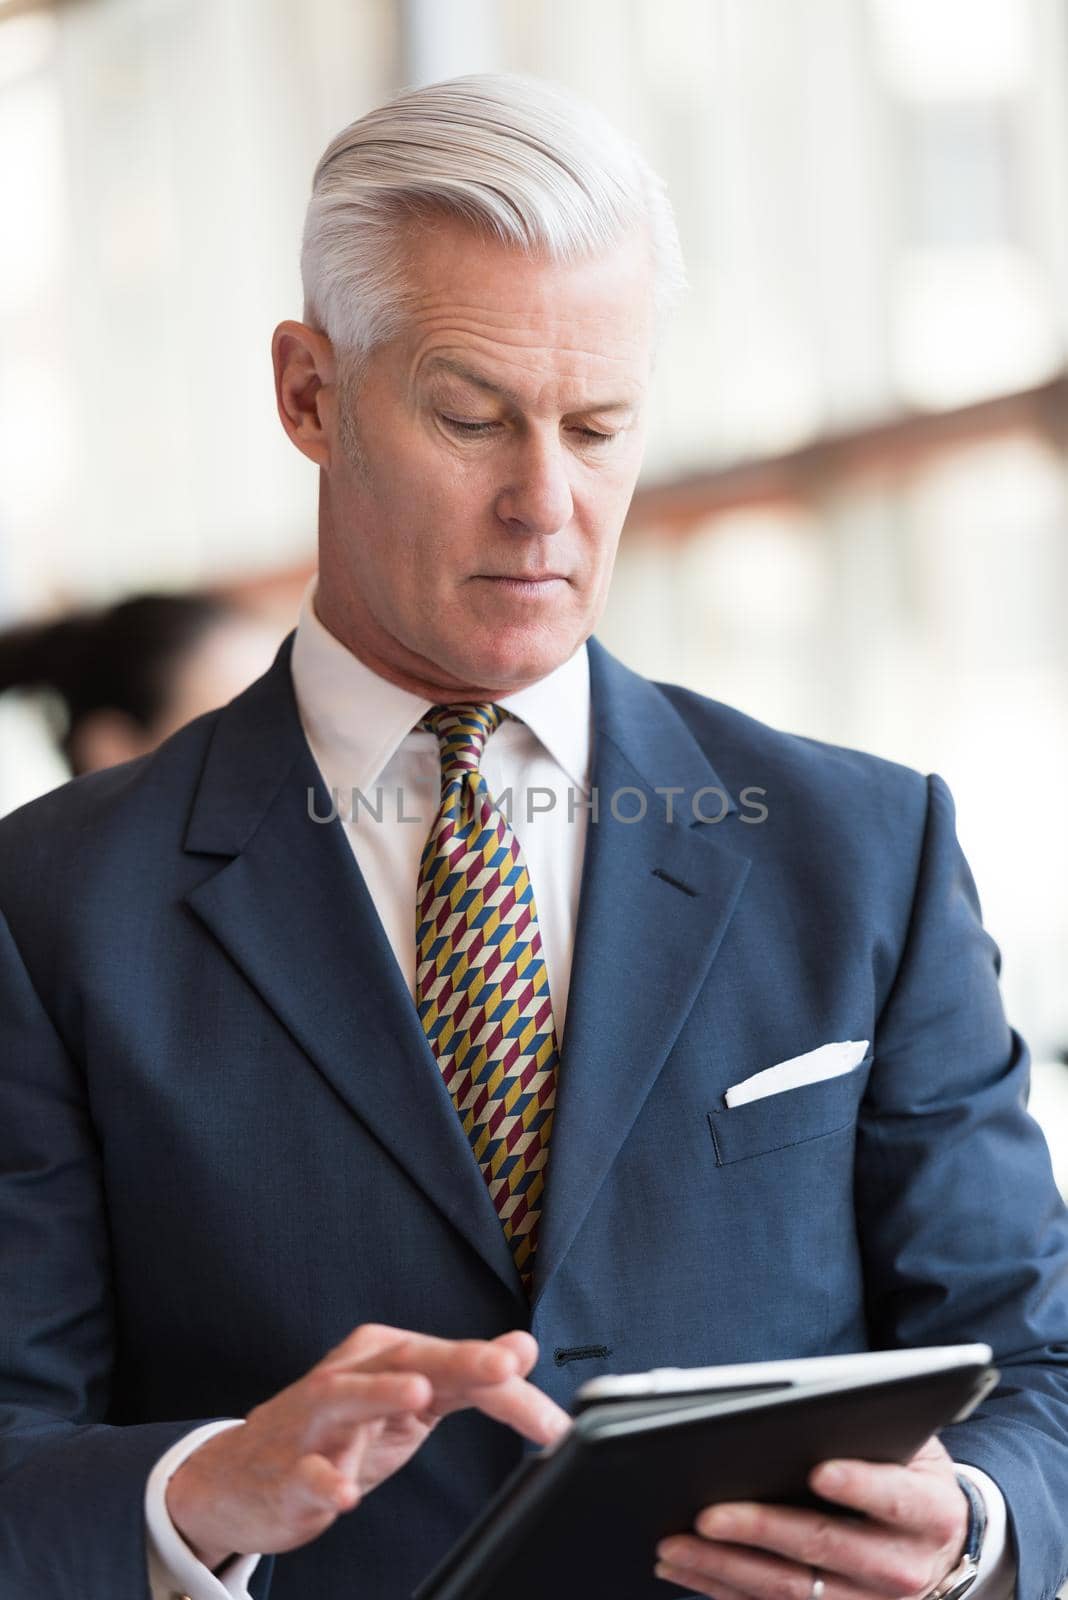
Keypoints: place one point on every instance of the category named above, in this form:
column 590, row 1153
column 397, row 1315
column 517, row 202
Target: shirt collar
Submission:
column 356, row 721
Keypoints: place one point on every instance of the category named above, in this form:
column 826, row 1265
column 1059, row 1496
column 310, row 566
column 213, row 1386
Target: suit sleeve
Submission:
column 963, row 1232
column 71, row 1487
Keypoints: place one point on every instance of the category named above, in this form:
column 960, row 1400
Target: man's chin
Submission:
column 512, row 658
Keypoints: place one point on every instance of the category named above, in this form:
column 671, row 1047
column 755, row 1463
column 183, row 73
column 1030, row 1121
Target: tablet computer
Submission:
column 647, row 1452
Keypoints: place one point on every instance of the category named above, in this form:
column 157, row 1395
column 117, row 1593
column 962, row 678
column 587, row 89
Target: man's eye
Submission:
column 468, row 427
column 590, row 436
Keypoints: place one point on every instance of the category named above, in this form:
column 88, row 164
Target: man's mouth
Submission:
column 523, row 580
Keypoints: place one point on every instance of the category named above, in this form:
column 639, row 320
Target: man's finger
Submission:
column 724, row 1571
column 515, row 1402
column 363, row 1341
column 322, row 1486
column 450, row 1363
column 891, row 1563
column 486, row 1374
column 927, row 1501
column 695, row 1584
column 524, row 1346
column 353, row 1398
column 525, row 1408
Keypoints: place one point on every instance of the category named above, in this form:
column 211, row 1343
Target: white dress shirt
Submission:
column 360, row 731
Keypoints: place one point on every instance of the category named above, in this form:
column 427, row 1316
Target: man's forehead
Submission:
column 508, row 321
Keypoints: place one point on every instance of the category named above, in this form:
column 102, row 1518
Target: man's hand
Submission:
column 314, row 1450
column 911, row 1539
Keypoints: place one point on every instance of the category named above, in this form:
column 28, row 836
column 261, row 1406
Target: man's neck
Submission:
column 416, row 675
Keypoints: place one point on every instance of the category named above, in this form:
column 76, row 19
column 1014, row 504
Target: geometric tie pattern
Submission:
column 482, row 989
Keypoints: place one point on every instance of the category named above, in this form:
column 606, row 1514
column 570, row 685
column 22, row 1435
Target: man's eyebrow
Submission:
column 458, row 370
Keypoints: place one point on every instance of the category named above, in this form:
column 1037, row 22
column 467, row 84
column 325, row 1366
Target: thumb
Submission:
column 322, row 1486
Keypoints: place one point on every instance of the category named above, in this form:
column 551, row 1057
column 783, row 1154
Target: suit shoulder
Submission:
column 810, row 772
column 80, row 823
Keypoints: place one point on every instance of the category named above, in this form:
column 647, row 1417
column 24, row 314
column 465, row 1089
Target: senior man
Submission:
column 285, row 1050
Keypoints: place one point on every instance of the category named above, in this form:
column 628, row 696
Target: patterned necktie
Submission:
column 481, row 986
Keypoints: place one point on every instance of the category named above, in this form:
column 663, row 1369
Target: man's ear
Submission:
column 304, row 367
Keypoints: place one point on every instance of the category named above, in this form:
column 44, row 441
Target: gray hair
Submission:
column 518, row 158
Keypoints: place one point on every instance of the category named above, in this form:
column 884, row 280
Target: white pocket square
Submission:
column 828, row 1061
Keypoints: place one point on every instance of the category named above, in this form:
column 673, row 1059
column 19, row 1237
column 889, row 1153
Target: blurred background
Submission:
column 853, row 518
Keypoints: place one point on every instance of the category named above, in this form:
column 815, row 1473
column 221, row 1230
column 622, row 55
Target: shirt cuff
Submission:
column 174, row 1573
column 996, row 1578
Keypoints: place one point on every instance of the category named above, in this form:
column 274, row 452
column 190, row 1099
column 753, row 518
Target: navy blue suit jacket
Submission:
column 224, row 1142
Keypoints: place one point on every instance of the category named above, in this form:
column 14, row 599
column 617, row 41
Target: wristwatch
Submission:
column 966, row 1571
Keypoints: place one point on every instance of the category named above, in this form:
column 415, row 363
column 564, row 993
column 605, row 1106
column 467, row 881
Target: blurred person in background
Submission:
column 268, row 1079
column 119, row 681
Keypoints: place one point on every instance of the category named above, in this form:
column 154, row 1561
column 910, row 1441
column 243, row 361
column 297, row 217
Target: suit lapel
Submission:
column 656, row 899
column 290, row 907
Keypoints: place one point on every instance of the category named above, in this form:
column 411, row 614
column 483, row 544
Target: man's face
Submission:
column 479, row 476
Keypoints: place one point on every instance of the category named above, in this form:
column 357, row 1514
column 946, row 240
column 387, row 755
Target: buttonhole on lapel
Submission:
column 674, row 882
column 580, row 1352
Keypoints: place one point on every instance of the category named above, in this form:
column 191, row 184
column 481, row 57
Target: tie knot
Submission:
column 462, row 731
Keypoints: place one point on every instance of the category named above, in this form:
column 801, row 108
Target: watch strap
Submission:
column 964, row 1574
column 973, row 1544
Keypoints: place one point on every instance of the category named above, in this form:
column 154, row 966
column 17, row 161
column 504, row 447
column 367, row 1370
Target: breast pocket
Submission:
column 794, row 1116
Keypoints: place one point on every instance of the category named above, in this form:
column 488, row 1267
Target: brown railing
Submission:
column 885, row 449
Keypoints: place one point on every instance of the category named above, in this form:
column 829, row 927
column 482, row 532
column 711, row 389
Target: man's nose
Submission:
column 538, row 497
